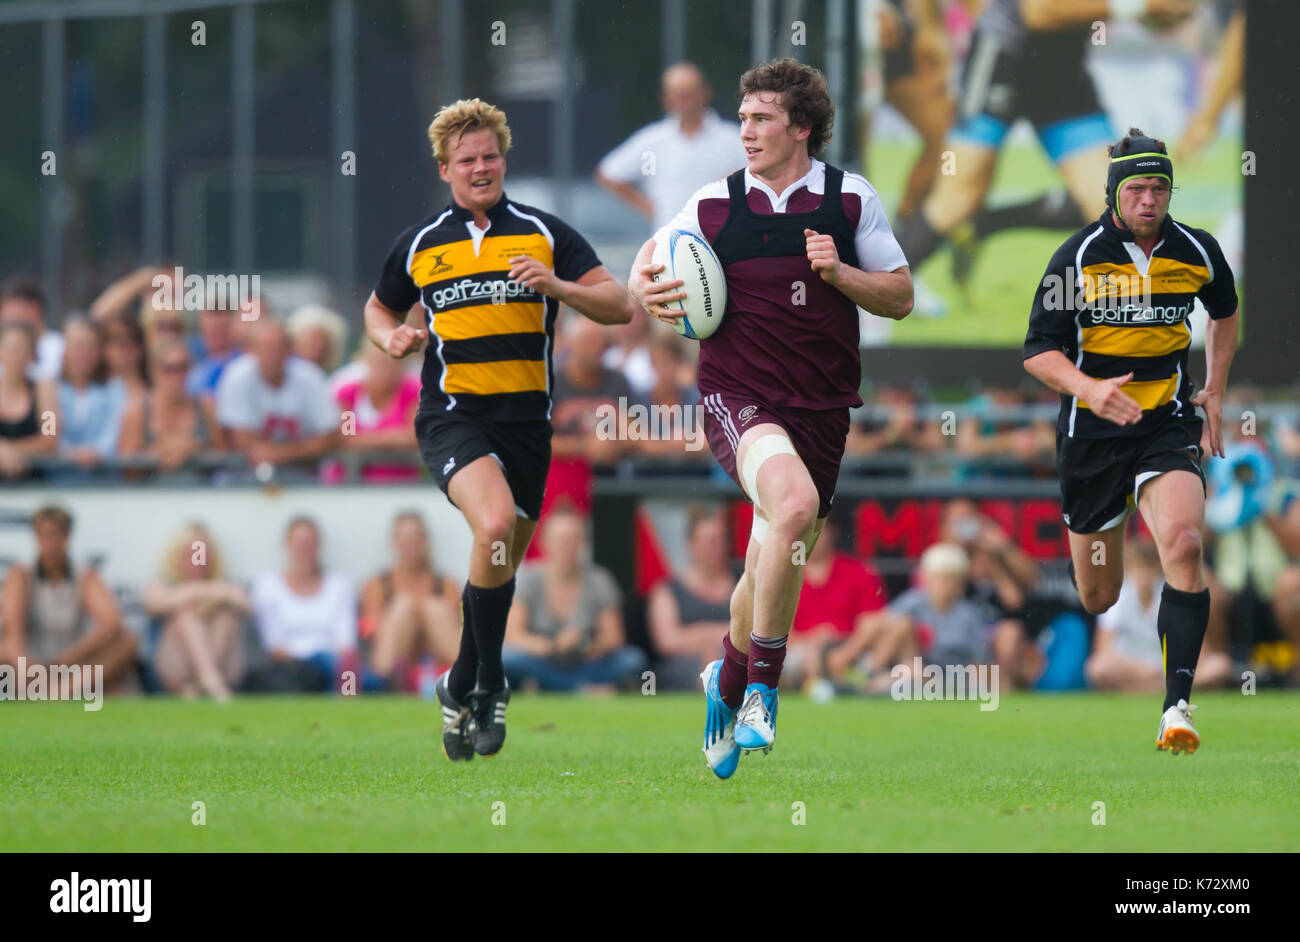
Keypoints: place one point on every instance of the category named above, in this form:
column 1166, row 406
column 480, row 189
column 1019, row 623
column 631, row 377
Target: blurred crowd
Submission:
column 197, row 632
column 133, row 390
column 194, row 631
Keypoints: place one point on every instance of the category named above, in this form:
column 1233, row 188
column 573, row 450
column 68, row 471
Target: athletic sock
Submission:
column 460, row 679
column 490, row 608
column 766, row 658
column 734, row 674
column 916, row 238
column 1181, row 621
column 1053, row 210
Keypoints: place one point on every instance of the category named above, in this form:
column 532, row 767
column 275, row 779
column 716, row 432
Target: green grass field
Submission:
column 627, row 774
column 1011, row 262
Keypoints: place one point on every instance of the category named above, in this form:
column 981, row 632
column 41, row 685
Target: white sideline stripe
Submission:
column 535, row 221
column 713, row 409
column 1204, row 254
column 735, row 434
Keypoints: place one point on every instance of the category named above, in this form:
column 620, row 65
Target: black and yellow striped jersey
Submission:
column 1112, row 310
column 490, row 338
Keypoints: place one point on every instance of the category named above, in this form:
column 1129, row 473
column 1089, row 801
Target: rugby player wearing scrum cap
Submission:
column 1109, row 331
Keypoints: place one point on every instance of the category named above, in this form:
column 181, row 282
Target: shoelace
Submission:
column 753, row 708
column 465, row 721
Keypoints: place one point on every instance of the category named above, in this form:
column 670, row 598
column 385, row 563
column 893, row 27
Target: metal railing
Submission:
column 893, row 469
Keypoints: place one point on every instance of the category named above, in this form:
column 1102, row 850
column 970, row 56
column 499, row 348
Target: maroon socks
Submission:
column 766, row 658
column 734, row 674
column 762, row 666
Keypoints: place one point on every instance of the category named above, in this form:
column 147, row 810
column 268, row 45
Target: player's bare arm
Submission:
column 1103, row 396
column 597, row 294
column 1220, row 345
column 885, row 293
column 1055, row 14
column 388, row 330
column 650, row 294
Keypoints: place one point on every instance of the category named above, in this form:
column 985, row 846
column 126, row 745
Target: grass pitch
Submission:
column 627, row 774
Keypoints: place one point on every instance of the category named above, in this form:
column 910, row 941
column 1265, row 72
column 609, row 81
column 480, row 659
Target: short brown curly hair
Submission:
column 806, row 98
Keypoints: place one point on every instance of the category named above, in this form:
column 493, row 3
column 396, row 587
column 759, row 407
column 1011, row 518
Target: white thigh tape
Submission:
column 771, row 444
column 758, row 530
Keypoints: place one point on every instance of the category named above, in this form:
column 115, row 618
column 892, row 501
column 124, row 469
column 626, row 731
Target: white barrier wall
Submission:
column 132, row 526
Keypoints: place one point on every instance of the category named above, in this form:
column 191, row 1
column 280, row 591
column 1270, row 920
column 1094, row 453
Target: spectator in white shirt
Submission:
column 658, row 168
column 22, row 300
column 1126, row 653
column 306, row 617
column 276, row 407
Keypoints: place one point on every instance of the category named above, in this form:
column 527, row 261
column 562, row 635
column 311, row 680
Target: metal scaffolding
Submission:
column 243, row 159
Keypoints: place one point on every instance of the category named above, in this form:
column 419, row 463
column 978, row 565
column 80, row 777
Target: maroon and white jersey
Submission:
column 788, row 339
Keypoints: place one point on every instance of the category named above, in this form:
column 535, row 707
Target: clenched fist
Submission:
column 404, row 340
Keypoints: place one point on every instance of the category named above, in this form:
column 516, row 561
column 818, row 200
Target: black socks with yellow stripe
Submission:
column 1182, row 621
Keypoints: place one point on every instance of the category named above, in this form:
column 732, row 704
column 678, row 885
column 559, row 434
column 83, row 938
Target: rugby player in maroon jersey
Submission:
column 803, row 245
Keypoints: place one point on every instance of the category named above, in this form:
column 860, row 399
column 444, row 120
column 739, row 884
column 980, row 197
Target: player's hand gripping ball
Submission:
column 689, row 259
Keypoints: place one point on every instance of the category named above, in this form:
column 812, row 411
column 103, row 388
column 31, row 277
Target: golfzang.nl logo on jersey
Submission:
column 1136, row 314
column 487, row 291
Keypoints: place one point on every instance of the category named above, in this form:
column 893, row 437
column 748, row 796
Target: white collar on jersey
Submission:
column 814, row 175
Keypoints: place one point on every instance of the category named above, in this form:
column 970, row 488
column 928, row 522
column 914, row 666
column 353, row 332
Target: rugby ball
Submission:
column 690, row 259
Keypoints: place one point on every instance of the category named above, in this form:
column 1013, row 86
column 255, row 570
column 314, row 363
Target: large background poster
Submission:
column 934, row 77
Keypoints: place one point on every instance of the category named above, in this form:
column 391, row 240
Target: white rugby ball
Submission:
column 690, row 259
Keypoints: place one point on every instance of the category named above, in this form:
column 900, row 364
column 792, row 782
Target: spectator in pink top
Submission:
column 379, row 415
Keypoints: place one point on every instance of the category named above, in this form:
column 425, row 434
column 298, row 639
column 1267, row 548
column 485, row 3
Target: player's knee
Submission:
column 495, row 526
column 1098, row 598
column 796, row 512
column 1184, row 546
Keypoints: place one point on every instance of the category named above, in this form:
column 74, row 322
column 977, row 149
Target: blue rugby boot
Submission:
column 720, row 750
column 756, row 719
